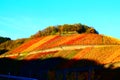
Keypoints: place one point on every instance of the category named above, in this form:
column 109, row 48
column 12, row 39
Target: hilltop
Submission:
column 65, row 29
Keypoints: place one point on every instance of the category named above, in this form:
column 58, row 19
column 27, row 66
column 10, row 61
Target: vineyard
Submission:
column 102, row 54
column 57, row 40
column 35, row 48
column 71, row 66
column 43, row 57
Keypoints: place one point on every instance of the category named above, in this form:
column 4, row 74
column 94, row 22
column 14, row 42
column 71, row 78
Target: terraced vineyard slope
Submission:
column 96, row 47
column 55, row 51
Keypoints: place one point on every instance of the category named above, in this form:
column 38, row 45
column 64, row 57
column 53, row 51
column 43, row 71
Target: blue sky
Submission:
column 22, row 18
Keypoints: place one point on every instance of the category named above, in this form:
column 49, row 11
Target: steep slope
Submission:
column 104, row 54
column 75, row 42
column 57, row 41
column 53, row 54
column 100, row 48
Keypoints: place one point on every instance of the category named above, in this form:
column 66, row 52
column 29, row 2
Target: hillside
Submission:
column 3, row 40
column 80, row 46
column 71, row 36
column 11, row 44
column 65, row 50
column 57, row 41
column 6, row 44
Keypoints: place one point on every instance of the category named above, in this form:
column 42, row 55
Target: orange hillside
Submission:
column 67, row 40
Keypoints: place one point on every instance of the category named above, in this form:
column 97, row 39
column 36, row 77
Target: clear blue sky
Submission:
column 22, row 18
